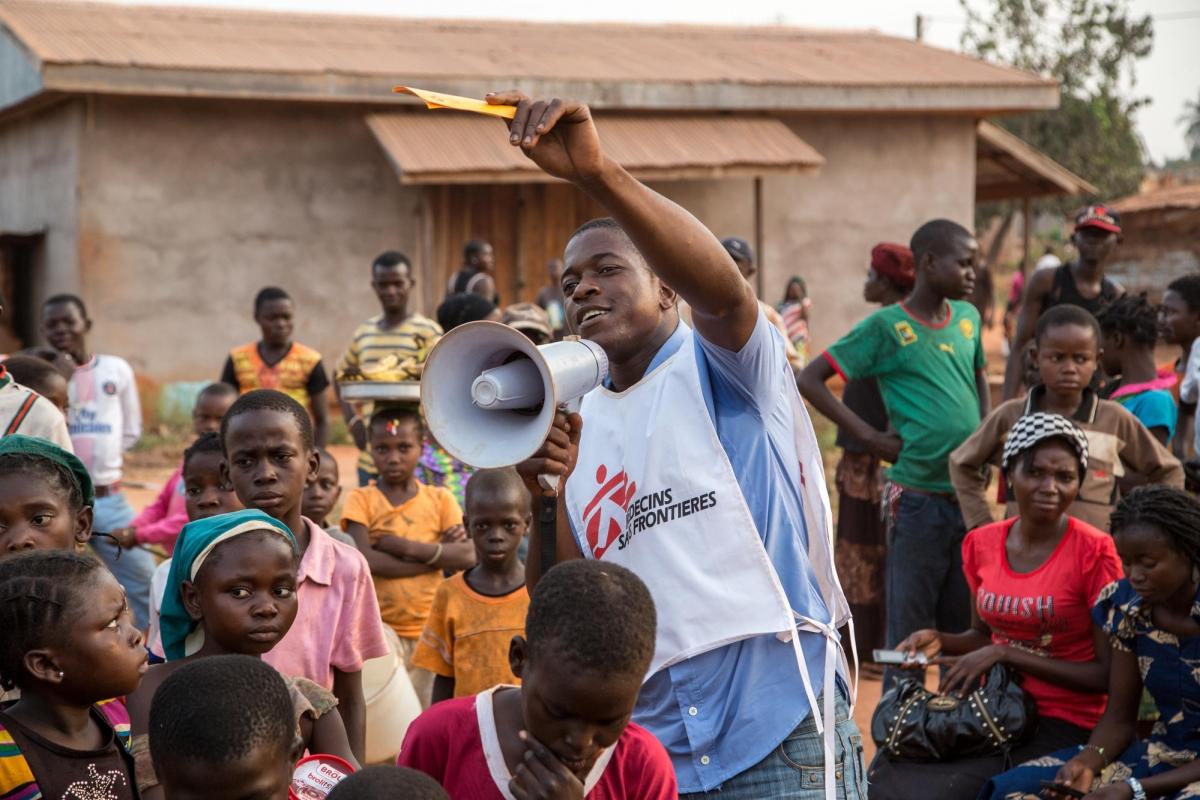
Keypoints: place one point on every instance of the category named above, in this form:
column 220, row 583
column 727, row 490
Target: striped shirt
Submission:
column 372, row 343
column 24, row 411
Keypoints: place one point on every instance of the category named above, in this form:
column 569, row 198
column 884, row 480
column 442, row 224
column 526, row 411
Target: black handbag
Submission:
column 913, row 724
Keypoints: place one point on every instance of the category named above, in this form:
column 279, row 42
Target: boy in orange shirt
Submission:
column 408, row 532
column 477, row 613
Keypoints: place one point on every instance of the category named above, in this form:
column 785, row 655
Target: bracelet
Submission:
column 436, row 555
column 1099, row 751
column 1139, row 793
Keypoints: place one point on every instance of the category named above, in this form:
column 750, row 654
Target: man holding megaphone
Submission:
column 696, row 466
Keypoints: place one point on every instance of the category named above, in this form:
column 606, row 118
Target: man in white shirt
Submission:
column 104, row 420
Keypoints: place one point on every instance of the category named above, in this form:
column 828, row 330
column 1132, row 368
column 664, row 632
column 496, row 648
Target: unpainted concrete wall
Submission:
column 39, row 166
column 188, row 208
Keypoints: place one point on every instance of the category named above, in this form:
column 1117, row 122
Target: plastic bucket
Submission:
column 391, row 703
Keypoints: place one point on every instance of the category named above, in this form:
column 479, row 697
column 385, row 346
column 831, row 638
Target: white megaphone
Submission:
column 489, row 394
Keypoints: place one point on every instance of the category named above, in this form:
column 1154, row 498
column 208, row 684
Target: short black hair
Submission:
column 401, row 415
column 388, row 259
column 935, row 237
column 602, row 224
column 1063, row 315
column 206, row 443
column 218, row 709
column 54, row 474
column 325, row 455
column 1187, row 287
column 30, row 371
column 573, row 617
column 60, row 299
column 270, row 400
column 387, row 780
column 1174, row 512
column 461, row 308
column 266, row 295
column 40, row 594
column 474, row 247
column 1133, row 317
column 496, row 481
column 218, row 389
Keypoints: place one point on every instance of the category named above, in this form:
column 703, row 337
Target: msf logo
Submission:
column 604, row 516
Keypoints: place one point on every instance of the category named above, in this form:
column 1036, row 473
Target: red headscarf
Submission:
column 894, row 262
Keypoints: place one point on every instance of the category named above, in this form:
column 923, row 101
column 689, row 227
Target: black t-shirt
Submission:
column 106, row 772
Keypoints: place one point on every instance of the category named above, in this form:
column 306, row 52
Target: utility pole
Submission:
column 920, row 28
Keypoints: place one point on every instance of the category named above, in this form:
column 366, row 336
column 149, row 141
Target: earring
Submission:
column 60, row 675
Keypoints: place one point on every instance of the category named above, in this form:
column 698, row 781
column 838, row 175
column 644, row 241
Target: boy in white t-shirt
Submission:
column 104, row 420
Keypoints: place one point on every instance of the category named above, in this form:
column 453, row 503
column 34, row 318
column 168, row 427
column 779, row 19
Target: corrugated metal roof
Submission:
column 1008, row 167
column 454, row 147
column 1186, row 196
column 409, row 49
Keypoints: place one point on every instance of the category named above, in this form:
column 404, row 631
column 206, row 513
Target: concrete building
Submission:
column 166, row 163
column 1160, row 237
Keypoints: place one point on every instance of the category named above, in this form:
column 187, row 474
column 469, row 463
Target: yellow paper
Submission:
column 439, row 100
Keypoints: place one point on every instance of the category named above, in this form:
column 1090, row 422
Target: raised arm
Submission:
column 560, row 137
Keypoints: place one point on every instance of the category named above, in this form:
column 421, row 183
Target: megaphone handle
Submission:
column 548, row 529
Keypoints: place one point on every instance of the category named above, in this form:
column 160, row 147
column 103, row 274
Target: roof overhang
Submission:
column 1007, row 168
column 431, row 147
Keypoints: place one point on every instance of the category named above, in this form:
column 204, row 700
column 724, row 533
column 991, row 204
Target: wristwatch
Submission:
column 1138, row 792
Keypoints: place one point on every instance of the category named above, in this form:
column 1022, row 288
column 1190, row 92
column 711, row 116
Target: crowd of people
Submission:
column 690, row 638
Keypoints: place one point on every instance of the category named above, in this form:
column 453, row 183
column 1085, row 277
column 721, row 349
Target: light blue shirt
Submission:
column 721, row 712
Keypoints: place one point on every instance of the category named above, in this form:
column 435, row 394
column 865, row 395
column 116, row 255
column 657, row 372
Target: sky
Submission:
column 1169, row 76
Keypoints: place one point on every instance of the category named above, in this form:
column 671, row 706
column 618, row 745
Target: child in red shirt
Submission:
column 565, row 732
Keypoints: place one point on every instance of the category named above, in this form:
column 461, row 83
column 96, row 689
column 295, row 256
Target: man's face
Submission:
column 1095, row 246
column 274, row 317
column 953, row 269
column 485, row 259
column 1178, row 324
column 612, row 296
column 65, row 327
column 392, row 285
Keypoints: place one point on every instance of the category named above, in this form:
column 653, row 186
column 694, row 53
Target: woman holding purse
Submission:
column 1033, row 579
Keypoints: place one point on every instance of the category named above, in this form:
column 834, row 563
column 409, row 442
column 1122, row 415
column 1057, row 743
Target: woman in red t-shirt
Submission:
column 1034, row 579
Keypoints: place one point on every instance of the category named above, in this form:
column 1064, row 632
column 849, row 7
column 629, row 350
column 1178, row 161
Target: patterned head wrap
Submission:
column 1027, row 431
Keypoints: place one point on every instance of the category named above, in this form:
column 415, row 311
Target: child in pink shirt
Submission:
column 161, row 521
column 269, row 458
column 565, row 732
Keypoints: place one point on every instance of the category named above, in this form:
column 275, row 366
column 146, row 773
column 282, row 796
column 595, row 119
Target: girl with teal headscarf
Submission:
column 232, row 590
column 46, row 497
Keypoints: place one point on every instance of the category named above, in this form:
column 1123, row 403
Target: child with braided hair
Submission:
column 1152, row 621
column 1129, row 332
column 69, row 645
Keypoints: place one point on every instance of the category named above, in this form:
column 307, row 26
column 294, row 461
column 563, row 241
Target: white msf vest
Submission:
column 654, row 491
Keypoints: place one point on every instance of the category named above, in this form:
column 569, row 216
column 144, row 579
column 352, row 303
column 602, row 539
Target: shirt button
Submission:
column 704, row 760
column 693, row 711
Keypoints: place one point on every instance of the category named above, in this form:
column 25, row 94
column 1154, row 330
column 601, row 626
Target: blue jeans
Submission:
column 134, row 568
column 796, row 771
column 925, row 583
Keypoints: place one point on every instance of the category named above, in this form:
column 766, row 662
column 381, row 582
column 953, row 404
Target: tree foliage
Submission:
column 1191, row 118
column 1091, row 47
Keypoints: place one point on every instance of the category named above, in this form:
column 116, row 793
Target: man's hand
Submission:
column 558, row 135
column 556, row 456
column 886, row 445
column 126, row 537
column 541, row 776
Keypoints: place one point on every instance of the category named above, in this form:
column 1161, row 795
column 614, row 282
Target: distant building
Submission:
column 1160, row 232
column 168, row 162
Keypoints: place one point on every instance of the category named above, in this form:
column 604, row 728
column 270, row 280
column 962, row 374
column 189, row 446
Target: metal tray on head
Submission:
column 382, row 391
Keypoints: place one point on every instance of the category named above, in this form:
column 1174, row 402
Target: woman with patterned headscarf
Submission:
column 1034, row 579
column 861, row 547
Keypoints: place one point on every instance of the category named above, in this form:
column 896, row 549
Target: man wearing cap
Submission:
column 531, row 320
column 1079, row 283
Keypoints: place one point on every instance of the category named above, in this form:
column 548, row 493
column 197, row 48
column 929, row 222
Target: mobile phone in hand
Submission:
column 1062, row 789
column 897, row 657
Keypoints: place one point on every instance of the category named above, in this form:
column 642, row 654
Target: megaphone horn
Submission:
column 489, row 394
